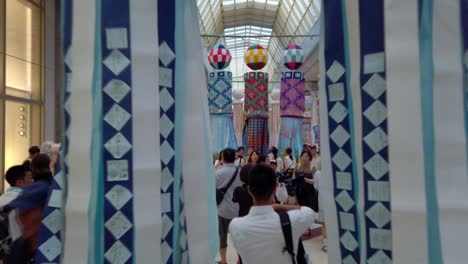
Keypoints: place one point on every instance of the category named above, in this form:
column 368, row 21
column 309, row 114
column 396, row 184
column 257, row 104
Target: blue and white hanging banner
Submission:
column 374, row 133
column 341, row 129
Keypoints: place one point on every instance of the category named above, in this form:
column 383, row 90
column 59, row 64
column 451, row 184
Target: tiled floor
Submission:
column 312, row 246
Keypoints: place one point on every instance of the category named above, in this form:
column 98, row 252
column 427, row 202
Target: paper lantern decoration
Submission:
column 219, row 57
column 293, row 57
column 256, row 57
column 238, row 94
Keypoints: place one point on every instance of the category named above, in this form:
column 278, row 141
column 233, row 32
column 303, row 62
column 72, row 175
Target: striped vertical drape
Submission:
column 132, row 149
column 395, row 99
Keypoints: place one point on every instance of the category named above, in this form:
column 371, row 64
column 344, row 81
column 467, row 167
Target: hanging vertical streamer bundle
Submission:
column 256, row 107
column 220, row 104
column 292, row 107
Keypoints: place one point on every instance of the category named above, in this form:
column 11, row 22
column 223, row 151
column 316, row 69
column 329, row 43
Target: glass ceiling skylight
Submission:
column 257, row 17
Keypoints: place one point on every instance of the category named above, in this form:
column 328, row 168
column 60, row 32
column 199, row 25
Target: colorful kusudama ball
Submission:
column 256, row 57
column 219, row 57
column 293, row 57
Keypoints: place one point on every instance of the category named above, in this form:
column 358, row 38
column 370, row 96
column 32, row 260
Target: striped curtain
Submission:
column 394, row 130
column 138, row 134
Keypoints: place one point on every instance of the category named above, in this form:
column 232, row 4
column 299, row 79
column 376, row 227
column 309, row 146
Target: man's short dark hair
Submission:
column 34, row 150
column 229, row 155
column 240, row 148
column 313, row 147
column 244, row 172
column 15, row 173
column 262, row 182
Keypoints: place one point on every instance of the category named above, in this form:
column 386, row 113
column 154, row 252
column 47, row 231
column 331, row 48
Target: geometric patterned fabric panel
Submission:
column 220, row 92
column 257, row 134
column 292, row 94
column 256, row 94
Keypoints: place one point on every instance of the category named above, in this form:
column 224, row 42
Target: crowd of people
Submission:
column 21, row 207
column 265, row 202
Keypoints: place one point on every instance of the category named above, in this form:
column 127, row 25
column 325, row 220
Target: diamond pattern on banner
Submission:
column 338, row 112
column 335, row 71
column 166, row 252
column 349, row 260
column 167, row 152
column 165, row 77
column 340, row 136
column 379, row 258
column 59, row 179
column 165, row 99
column 51, row 248
column 344, row 181
column 118, row 225
column 379, row 215
column 67, row 104
column 347, row 221
column 118, row 146
column 341, row 159
column 117, row 90
column 166, row 126
column 166, row 179
column 344, row 200
column 380, row 238
column 53, row 221
column 117, row 117
column 376, row 113
column 118, row 196
column 55, row 199
column 116, row 38
column 376, row 140
column 378, row 191
column 116, row 62
column 183, row 239
column 376, row 166
column 348, row 241
column 375, row 86
column 166, row 225
column 118, row 253
column 68, row 57
column 166, row 55
column 117, row 170
column 336, row 92
column 374, row 62
column 166, row 202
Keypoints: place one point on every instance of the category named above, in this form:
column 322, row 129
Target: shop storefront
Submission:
column 21, row 79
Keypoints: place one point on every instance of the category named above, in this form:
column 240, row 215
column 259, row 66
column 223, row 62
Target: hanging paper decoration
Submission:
column 237, row 116
column 292, row 110
column 256, row 57
column 220, row 90
column 275, row 117
column 219, row 57
column 256, row 107
column 220, row 104
column 293, row 57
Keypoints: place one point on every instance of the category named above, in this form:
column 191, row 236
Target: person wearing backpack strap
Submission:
column 227, row 180
column 258, row 237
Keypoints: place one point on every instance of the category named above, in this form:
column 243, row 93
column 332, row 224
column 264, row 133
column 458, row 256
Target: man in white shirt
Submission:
column 18, row 177
column 227, row 209
column 240, row 160
column 258, row 237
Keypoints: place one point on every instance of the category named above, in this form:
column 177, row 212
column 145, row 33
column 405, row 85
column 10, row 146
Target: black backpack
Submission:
column 5, row 238
column 301, row 257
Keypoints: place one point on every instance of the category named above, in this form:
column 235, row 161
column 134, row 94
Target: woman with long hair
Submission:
column 274, row 156
column 253, row 157
column 289, row 163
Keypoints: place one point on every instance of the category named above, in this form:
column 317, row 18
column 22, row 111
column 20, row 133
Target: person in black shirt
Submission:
column 241, row 195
